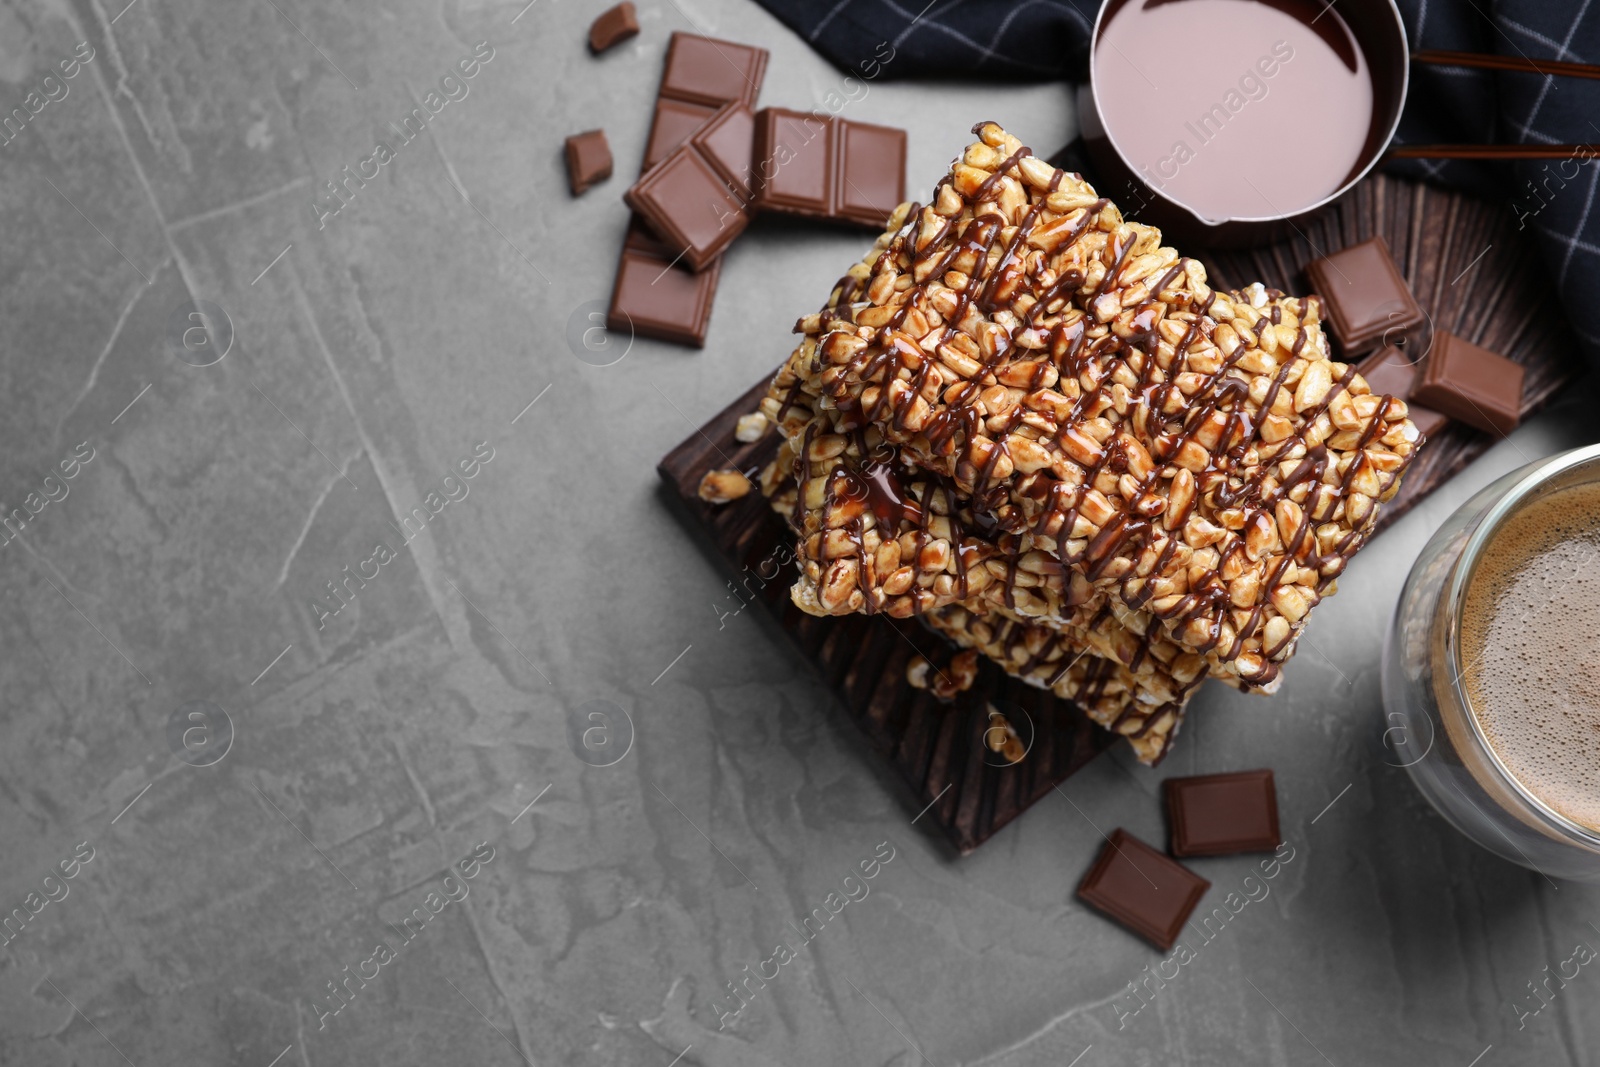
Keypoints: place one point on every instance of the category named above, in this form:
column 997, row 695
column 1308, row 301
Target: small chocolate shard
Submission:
column 588, row 160
column 615, row 25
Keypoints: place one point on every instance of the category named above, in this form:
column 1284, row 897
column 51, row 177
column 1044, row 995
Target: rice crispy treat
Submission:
column 911, row 545
column 1133, row 681
column 1194, row 454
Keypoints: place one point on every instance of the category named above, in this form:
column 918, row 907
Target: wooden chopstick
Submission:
column 1499, row 151
column 1494, row 151
column 1516, row 63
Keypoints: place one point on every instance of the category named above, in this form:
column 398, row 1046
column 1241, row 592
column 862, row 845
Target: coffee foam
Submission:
column 1530, row 646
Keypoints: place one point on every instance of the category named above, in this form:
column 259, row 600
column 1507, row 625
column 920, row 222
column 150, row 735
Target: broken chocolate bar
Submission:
column 828, row 168
column 701, row 75
column 613, row 26
column 1471, row 385
column 1143, row 890
column 588, row 160
column 1367, row 300
column 653, row 298
column 696, row 199
column 1220, row 814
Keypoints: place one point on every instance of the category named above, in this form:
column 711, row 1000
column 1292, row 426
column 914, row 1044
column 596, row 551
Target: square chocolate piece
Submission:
column 653, row 298
column 872, row 172
column 696, row 200
column 1368, row 302
column 1143, row 890
column 1220, row 814
column 1471, row 385
column 824, row 167
column 703, row 70
column 701, row 74
column 588, row 160
column 1389, row 371
column 675, row 123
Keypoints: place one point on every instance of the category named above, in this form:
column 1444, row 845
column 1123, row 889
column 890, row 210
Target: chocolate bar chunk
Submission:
column 824, row 167
column 1367, row 300
column 696, row 200
column 700, row 76
column 1219, row 814
column 588, row 160
column 674, row 123
column 1389, row 371
column 1471, row 384
column 615, row 25
column 653, row 298
column 1143, row 890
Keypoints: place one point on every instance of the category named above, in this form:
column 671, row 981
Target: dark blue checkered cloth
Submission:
column 1037, row 40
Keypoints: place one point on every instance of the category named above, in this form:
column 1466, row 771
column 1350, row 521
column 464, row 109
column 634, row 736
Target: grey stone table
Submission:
column 399, row 761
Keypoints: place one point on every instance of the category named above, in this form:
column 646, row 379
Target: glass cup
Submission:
column 1429, row 727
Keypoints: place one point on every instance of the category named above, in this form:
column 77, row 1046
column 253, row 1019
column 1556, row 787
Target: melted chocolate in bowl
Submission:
column 1236, row 109
column 1529, row 621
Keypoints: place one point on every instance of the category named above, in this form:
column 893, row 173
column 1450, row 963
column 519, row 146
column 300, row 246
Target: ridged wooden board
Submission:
column 1500, row 302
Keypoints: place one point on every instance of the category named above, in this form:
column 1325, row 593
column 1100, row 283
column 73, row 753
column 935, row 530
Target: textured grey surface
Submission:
column 423, row 719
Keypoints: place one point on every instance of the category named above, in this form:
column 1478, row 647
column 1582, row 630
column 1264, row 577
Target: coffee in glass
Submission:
column 1490, row 694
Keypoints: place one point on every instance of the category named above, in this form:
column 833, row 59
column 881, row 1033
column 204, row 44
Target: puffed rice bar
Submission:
column 1197, row 453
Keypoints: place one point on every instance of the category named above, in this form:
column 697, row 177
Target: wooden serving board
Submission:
column 1502, row 302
